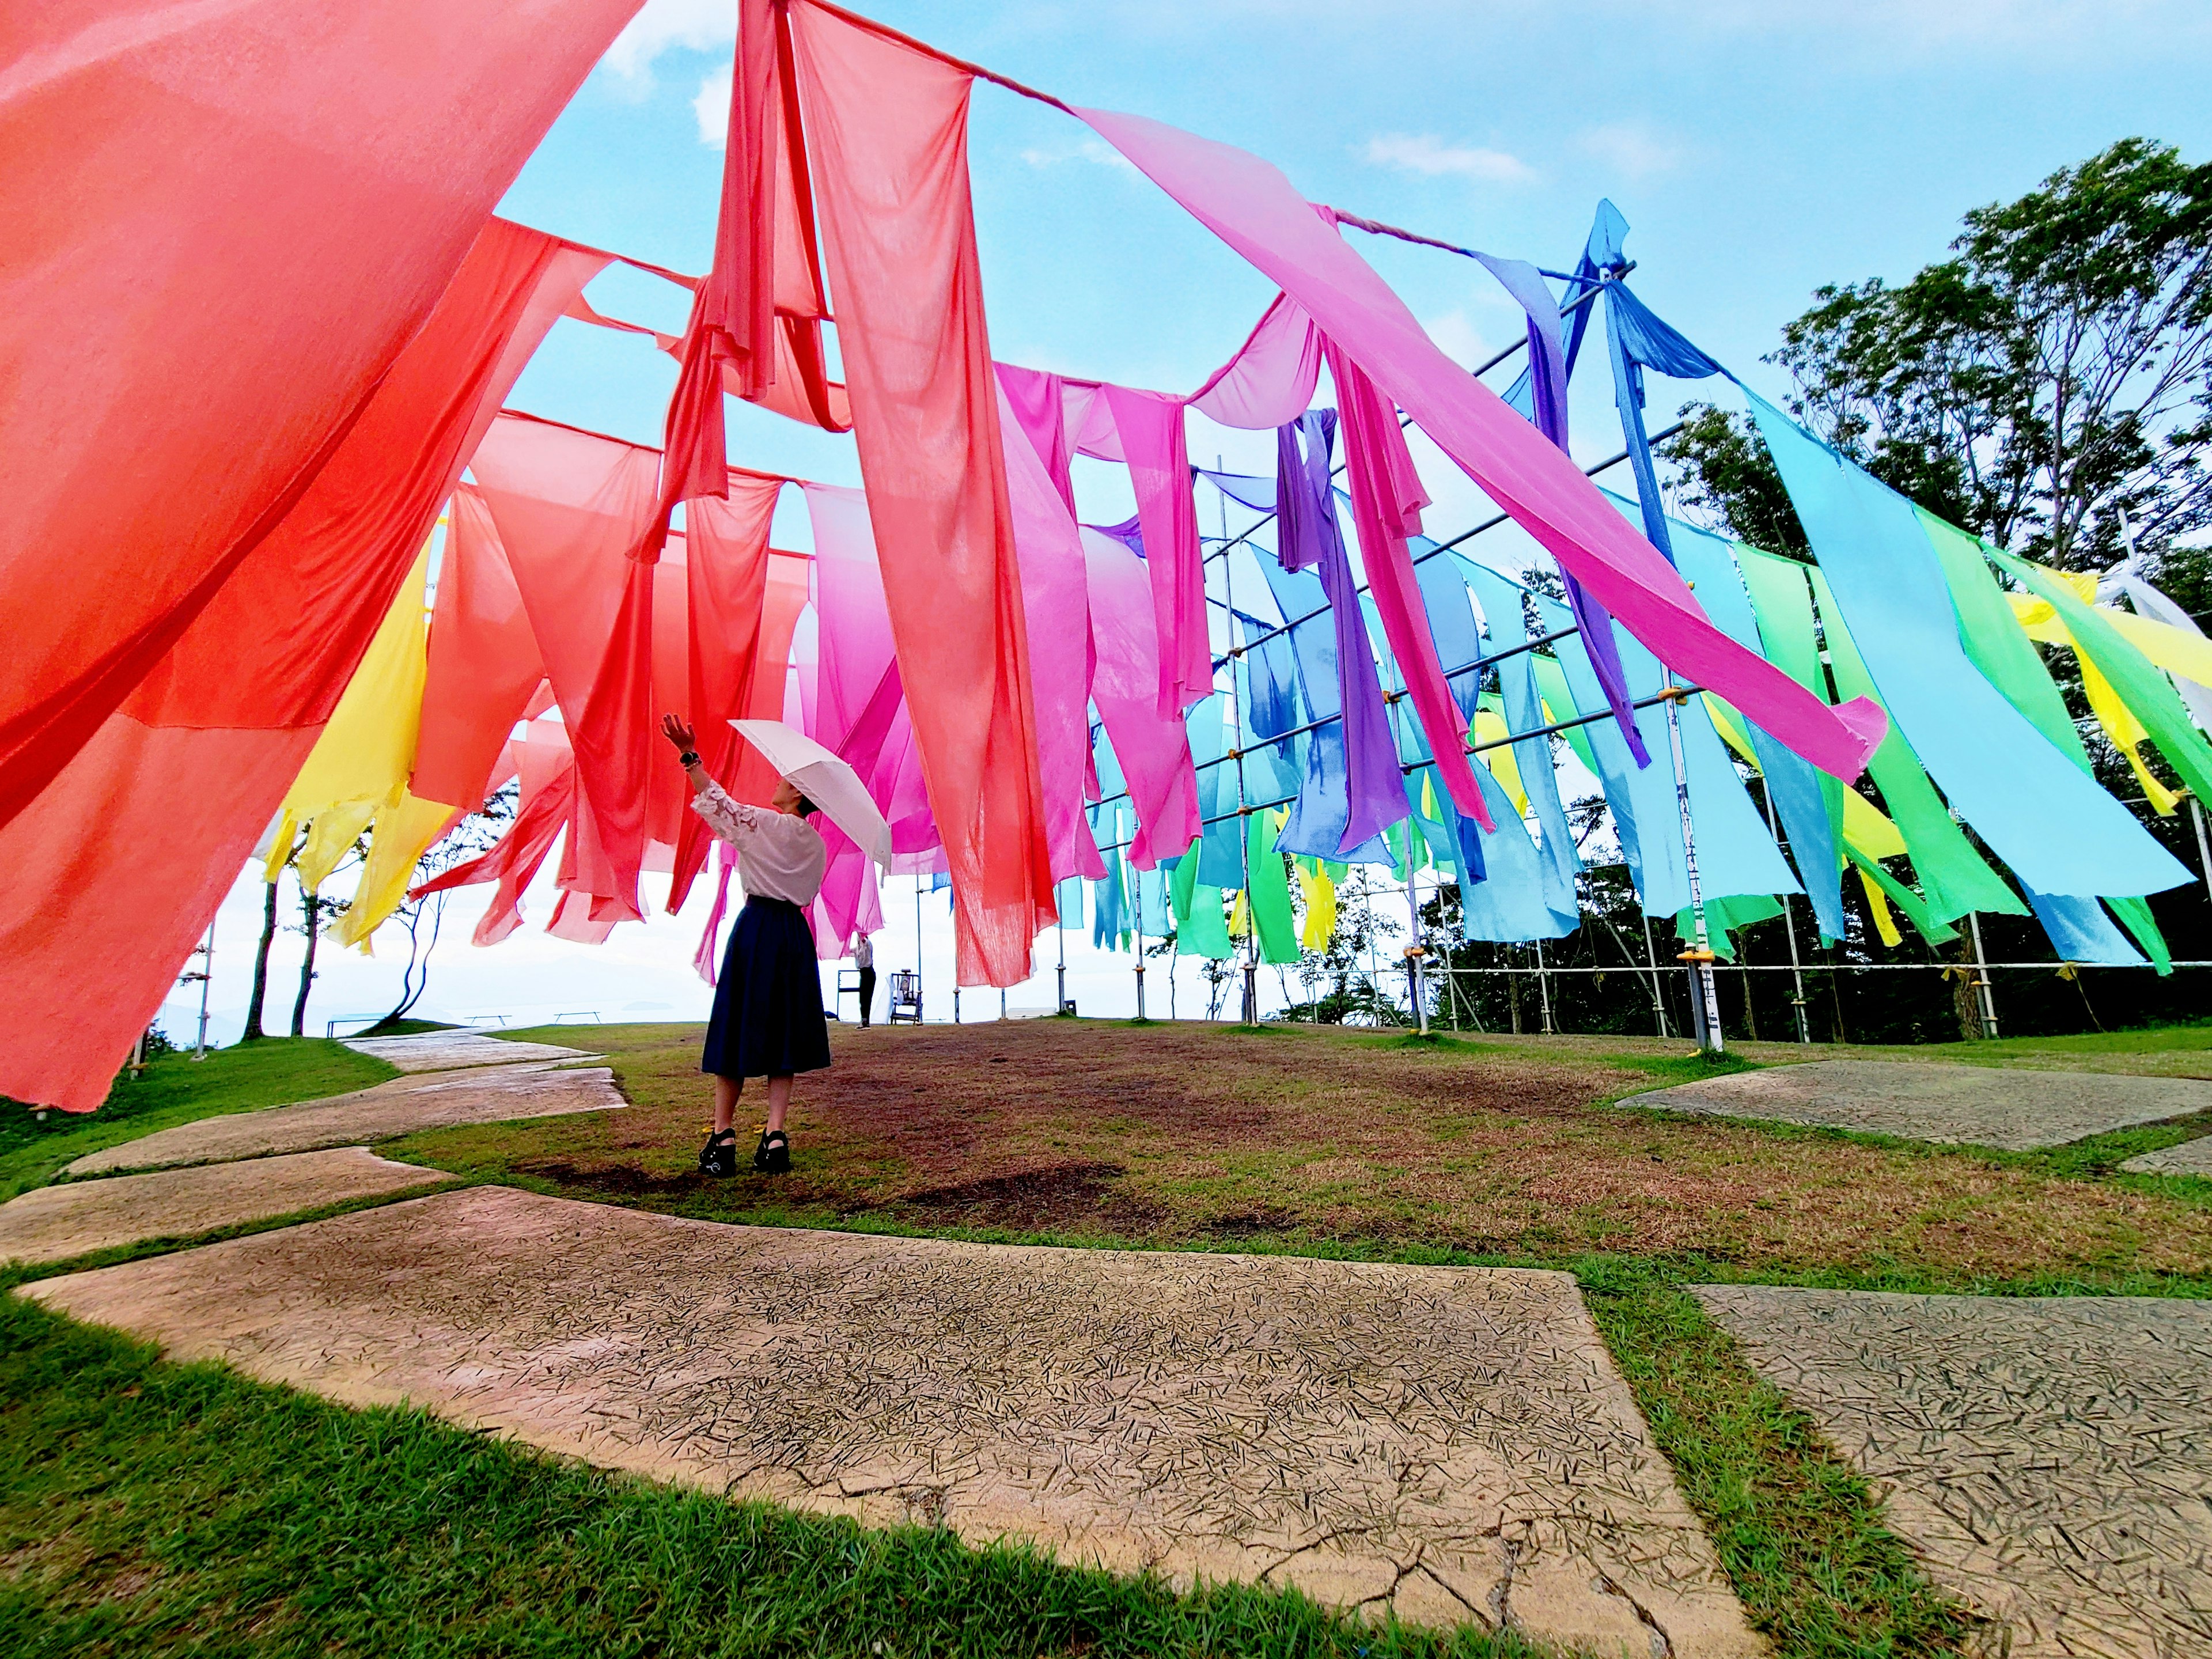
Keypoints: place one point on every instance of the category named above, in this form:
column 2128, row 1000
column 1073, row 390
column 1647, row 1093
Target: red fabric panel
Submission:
column 1387, row 499
column 753, row 779
column 569, row 506
column 224, row 224
column 166, row 816
column 484, row 667
column 726, row 581
column 888, row 131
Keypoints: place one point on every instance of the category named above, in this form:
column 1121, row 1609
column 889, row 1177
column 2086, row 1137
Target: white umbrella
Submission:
column 827, row 781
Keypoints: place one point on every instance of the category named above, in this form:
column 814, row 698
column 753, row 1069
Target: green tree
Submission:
column 2052, row 376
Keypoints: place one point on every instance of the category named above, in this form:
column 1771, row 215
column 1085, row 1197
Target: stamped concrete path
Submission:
column 1977, row 1105
column 446, row 1051
column 2050, row 1459
column 1453, row 1443
column 2191, row 1158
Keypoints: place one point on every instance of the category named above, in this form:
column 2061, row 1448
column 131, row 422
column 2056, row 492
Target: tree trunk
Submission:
column 260, row 996
column 1965, row 996
column 311, row 907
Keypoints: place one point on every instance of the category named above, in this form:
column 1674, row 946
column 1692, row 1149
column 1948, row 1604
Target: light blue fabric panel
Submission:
column 2081, row 931
column 1708, row 563
column 1152, row 903
column 1524, row 712
column 1509, row 905
column 1068, row 895
column 2058, row 830
column 1221, row 844
column 1735, row 855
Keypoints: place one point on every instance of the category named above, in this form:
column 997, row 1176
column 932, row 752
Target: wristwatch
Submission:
column 688, row 759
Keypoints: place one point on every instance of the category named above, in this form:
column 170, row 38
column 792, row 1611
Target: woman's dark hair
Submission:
column 807, row 808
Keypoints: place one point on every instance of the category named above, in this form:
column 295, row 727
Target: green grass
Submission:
column 178, row 1089
column 151, row 1509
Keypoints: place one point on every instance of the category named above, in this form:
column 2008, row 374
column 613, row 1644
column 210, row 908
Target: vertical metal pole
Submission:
column 1061, row 928
column 2203, row 849
column 1702, row 954
column 1140, row 944
column 917, row 948
column 1982, row 977
column 1544, row 992
column 1413, row 958
column 1251, row 1012
column 206, row 954
column 1789, row 927
column 1658, row 996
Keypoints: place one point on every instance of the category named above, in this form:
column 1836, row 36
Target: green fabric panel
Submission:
column 1724, row 916
column 1955, row 878
column 1996, row 642
column 1904, row 898
column 1271, row 892
column 2142, row 685
column 1551, row 686
column 2135, row 916
column 1183, row 879
column 1407, row 854
column 1204, row 932
column 1782, row 605
column 1336, row 872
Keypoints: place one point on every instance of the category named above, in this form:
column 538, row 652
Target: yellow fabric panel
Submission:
column 329, row 838
column 1320, row 893
column 402, row 834
column 2126, row 733
column 1490, row 727
column 2174, row 649
column 1240, row 915
column 368, row 749
column 1878, row 905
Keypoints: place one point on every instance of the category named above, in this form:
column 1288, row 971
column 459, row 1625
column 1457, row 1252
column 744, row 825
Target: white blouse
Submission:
column 779, row 856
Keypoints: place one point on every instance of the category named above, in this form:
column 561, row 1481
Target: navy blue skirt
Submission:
column 768, row 1019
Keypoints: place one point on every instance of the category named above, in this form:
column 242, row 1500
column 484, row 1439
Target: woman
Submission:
column 768, row 1004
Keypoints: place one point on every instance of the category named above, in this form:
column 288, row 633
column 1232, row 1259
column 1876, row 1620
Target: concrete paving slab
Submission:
column 1452, row 1444
column 1972, row 1105
column 2191, row 1158
column 428, row 1101
column 53, row 1224
column 447, row 1051
column 2050, row 1458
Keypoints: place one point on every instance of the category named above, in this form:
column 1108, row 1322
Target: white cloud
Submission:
column 1628, row 150
column 1087, row 150
column 662, row 25
column 712, row 106
column 1428, row 155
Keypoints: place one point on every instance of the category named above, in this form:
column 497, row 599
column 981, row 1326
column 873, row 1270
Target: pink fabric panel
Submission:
column 1151, row 427
column 1153, row 748
column 225, row 223
column 1387, row 499
column 668, row 792
column 1088, row 422
column 483, row 664
column 1271, row 378
column 1252, row 208
column 888, row 131
column 1037, row 403
column 569, row 505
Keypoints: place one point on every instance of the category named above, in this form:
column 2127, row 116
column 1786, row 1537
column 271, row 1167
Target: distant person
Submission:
column 864, row 958
column 768, row 1019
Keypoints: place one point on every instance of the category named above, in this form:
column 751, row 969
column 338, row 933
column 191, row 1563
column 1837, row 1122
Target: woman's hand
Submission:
column 679, row 734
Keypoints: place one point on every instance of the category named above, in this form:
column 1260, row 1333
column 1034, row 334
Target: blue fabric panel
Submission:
column 1318, row 817
column 1524, row 712
column 2081, row 931
column 2038, row 811
column 1735, row 855
column 1258, row 494
column 1106, row 922
column 1710, row 564
column 1221, row 845
column 1152, row 903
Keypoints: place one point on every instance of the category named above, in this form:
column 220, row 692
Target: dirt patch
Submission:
column 1252, row 1223
column 631, row 1181
column 1054, row 1198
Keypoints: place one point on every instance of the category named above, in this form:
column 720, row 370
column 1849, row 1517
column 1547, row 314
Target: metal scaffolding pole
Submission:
column 1248, row 952
column 1982, row 977
column 1789, row 927
column 1700, row 956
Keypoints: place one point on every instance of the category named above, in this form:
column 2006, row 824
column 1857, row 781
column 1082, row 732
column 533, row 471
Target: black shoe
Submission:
column 773, row 1155
column 718, row 1156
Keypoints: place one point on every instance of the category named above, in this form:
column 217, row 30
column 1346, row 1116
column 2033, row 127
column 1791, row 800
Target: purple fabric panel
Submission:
column 1252, row 208
column 1374, row 786
column 1048, row 552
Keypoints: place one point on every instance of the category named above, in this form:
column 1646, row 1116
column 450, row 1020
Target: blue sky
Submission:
column 1756, row 149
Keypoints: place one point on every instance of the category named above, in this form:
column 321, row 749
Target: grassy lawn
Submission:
column 178, row 1089
column 151, row 1508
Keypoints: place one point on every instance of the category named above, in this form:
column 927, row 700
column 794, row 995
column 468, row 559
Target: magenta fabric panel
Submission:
column 1036, row 403
column 1251, row 206
column 1387, row 499
column 1056, row 605
column 1151, row 427
column 1270, row 381
column 1152, row 747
